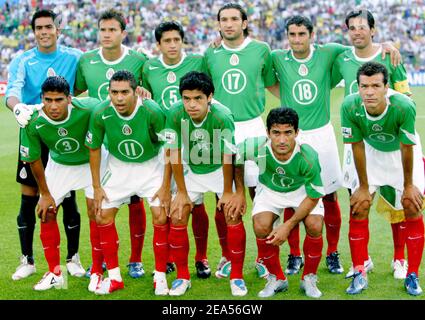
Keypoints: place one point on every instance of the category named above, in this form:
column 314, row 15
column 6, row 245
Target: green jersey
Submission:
column 130, row 139
column 385, row 132
column 305, row 85
column 163, row 80
column 64, row 139
column 347, row 64
column 301, row 170
column 240, row 76
column 94, row 71
column 203, row 143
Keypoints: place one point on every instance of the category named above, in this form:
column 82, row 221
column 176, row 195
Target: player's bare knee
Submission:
column 314, row 225
column 159, row 217
column 261, row 229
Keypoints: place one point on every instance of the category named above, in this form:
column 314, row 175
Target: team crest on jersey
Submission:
column 376, row 127
column 303, row 70
column 234, row 59
column 51, row 72
column 62, row 132
column 23, row 173
column 171, row 77
column 198, row 134
column 89, row 137
column 109, row 73
column 280, row 170
column 346, row 132
column 126, row 130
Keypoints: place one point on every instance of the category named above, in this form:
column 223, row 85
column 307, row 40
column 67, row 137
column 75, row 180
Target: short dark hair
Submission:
column 195, row 80
column 371, row 68
column 282, row 115
column 55, row 84
column 168, row 26
column 236, row 6
column 113, row 14
column 43, row 13
column 366, row 14
column 124, row 75
column 300, row 21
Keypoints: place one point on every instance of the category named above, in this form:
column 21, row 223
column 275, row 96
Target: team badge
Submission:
column 234, row 59
column 62, row 132
column 280, row 170
column 24, row 151
column 171, row 77
column 376, row 127
column 51, row 72
column 23, row 173
column 109, row 73
column 303, row 70
column 198, row 134
column 126, row 130
column 89, row 137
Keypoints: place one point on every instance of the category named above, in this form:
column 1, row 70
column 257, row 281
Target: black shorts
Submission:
column 24, row 174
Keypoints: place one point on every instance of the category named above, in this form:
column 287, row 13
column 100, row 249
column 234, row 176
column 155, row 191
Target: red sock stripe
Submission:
column 110, row 244
column 399, row 239
column 220, row 224
column 312, row 254
column 358, row 238
column 160, row 246
column 50, row 239
column 179, row 246
column 415, row 243
column 200, row 226
column 269, row 255
column 294, row 235
column 137, row 223
column 333, row 224
column 236, row 241
column 96, row 249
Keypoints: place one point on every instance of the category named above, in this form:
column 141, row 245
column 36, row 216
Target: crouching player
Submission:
column 289, row 178
column 204, row 130
column 381, row 130
column 62, row 125
column 133, row 167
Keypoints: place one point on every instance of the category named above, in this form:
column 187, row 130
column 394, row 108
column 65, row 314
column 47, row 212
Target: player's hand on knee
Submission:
column 178, row 205
column 360, row 201
column 236, row 206
column 23, row 113
column 45, row 204
column 99, row 196
column 278, row 235
column 164, row 196
column 412, row 199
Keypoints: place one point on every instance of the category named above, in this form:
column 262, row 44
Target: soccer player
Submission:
column 289, row 178
column 132, row 128
column 381, row 130
column 361, row 30
column 27, row 72
column 62, row 126
column 161, row 76
column 241, row 68
column 94, row 71
column 204, row 130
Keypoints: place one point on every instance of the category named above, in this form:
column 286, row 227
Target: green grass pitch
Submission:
column 382, row 286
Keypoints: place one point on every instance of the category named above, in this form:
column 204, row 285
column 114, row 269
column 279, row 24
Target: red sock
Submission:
column 170, row 256
column 415, row 243
column 269, row 254
column 137, row 223
column 236, row 240
column 160, row 246
column 294, row 235
column 312, row 254
column 179, row 246
column 110, row 244
column 399, row 239
column 358, row 236
column 333, row 224
column 96, row 249
column 50, row 239
column 220, row 223
column 200, row 225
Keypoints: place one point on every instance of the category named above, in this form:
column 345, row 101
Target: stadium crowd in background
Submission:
column 402, row 24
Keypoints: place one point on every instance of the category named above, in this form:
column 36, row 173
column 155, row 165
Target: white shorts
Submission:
column 386, row 169
column 247, row 129
column 349, row 172
column 198, row 184
column 122, row 180
column 273, row 201
column 323, row 141
column 62, row 179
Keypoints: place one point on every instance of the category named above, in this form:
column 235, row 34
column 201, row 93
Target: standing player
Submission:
column 382, row 133
column 62, row 126
column 26, row 74
column 94, row 71
column 361, row 30
column 133, row 168
column 161, row 76
column 289, row 178
column 241, row 68
column 203, row 129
